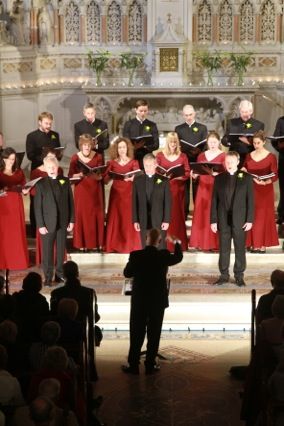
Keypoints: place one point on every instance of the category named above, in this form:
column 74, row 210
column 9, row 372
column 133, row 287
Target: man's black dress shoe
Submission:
column 153, row 369
column 222, row 280
column 130, row 370
column 240, row 282
column 58, row 279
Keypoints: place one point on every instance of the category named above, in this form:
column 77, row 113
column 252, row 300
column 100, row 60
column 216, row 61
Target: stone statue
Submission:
column 17, row 20
column 45, row 27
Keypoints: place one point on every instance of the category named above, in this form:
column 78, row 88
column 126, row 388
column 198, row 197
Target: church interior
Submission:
column 185, row 52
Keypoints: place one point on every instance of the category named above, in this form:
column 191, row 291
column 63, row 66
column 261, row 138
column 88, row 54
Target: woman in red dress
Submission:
column 13, row 242
column 201, row 236
column 169, row 157
column 262, row 162
column 121, row 236
column 36, row 173
column 88, row 197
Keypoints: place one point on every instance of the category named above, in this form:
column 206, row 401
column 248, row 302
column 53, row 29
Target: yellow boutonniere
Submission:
column 248, row 125
column 195, row 129
column 62, row 181
column 240, row 175
column 98, row 131
column 53, row 137
column 147, row 128
column 158, row 181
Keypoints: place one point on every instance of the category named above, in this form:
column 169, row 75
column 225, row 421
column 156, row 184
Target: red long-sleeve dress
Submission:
column 13, row 241
column 263, row 232
column 177, row 224
column 89, row 206
column 201, row 235
column 121, row 236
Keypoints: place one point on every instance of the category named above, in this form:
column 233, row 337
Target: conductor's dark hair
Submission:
column 32, row 282
column 233, row 154
column 6, row 154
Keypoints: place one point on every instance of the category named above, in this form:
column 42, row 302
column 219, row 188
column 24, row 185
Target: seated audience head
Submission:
column 213, row 140
column 8, row 331
column 121, row 147
column 70, row 270
column 172, row 145
column 86, row 144
column 246, row 110
column 32, row 283
column 55, row 358
column 49, row 388
column 50, row 333
column 150, row 164
column 153, row 237
column 277, row 307
column 277, row 279
column 189, row 114
column 3, row 358
column 41, row 411
column 67, row 308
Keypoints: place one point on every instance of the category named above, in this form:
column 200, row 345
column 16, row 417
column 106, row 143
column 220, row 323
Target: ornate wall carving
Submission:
column 72, row 23
column 247, row 22
column 268, row 21
column 225, row 22
column 204, row 22
column 135, row 22
column 114, row 23
column 93, row 26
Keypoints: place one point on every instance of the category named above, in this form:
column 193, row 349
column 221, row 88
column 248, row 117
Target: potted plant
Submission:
column 131, row 61
column 97, row 62
column 210, row 62
column 240, row 63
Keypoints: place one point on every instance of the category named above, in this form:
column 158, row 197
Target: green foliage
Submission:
column 240, row 63
column 210, row 61
column 130, row 60
column 97, row 62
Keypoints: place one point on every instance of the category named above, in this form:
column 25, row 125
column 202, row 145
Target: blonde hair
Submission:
column 171, row 136
column 45, row 114
column 50, row 160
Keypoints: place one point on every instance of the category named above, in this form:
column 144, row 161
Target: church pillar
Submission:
column 124, row 24
column 56, row 26
column 34, row 27
column 104, row 24
column 61, row 29
column 236, row 28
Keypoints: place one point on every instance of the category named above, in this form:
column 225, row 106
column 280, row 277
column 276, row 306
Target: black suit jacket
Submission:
column 36, row 141
column 47, row 212
column 242, row 203
column 148, row 268
column 237, row 125
column 160, row 202
column 187, row 133
column 93, row 129
column 134, row 128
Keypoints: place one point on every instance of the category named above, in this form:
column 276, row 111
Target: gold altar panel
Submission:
column 168, row 59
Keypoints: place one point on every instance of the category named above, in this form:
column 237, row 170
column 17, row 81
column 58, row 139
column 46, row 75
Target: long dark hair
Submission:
column 6, row 154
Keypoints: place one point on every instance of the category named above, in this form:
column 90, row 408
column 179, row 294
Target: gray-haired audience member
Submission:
column 263, row 310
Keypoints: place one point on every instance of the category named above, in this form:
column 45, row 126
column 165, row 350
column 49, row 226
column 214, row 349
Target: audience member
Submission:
column 49, row 336
column 10, row 390
column 72, row 332
column 263, row 310
column 8, row 338
column 31, row 308
column 276, row 391
column 74, row 290
column 6, row 302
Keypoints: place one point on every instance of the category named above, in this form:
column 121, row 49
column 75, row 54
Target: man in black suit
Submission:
column 41, row 138
column 94, row 127
column 193, row 132
column 279, row 146
column 140, row 126
column 54, row 212
column 245, row 124
column 232, row 212
column 148, row 268
column 151, row 206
